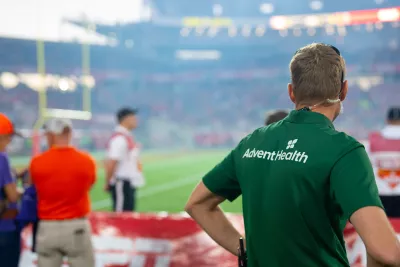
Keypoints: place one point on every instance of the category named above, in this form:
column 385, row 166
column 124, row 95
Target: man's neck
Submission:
column 124, row 127
column 328, row 112
column 61, row 144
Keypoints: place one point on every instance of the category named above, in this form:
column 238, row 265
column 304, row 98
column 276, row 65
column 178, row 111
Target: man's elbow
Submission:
column 199, row 209
column 195, row 210
column 190, row 208
column 388, row 257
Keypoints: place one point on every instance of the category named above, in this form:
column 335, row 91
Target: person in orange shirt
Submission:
column 63, row 177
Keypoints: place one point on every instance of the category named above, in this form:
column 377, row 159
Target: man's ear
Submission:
column 291, row 94
column 344, row 91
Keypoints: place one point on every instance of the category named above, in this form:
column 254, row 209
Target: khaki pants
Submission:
column 69, row 238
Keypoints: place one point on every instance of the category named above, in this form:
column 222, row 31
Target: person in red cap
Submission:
column 9, row 195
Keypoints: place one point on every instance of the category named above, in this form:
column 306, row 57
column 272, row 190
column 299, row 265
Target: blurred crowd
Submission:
column 177, row 115
column 206, row 103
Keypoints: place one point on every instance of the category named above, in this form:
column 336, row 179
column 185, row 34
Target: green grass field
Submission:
column 170, row 178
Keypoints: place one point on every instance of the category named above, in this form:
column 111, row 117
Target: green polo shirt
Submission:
column 301, row 180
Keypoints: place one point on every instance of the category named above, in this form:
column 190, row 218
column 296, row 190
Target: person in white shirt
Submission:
column 384, row 152
column 123, row 167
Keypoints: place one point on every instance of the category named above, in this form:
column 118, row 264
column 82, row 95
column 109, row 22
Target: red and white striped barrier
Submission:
column 143, row 240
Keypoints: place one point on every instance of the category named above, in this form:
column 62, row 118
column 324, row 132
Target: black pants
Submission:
column 10, row 247
column 123, row 196
column 391, row 205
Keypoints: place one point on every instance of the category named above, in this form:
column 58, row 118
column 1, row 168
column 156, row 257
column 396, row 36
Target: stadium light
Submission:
column 260, row 30
column 312, row 21
column 185, row 32
column 311, row 31
column 379, row 25
column 217, row 10
column 369, row 27
column 297, row 32
column 342, row 31
column 392, row 14
column 364, row 84
column 212, row 31
column 88, row 81
column 246, row 30
column 63, row 85
column 199, row 31
column 329, row 29
column 316, row 5
column 283, row 33
column 278, row 23
column 34, row 81
column 9, row 80
column 232, row 31
column 266, row 8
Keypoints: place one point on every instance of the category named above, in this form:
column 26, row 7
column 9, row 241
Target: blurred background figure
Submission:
column 9, row 234
column 384, row 151
column 123, row 166
column 275, row 116
column 63, row 177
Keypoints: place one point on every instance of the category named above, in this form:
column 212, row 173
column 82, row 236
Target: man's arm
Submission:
column 203, row 207
column 117, row 150
column 219, row 184
column 380, row 240
column 10, row 186
column 93, row 170
column 13, row 195
column 354, row 189
column 110, row 167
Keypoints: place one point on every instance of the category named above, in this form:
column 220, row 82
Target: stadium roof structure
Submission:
column 107, row 29
column 225, row 30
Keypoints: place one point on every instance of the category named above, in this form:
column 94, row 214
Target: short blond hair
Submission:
column 316, row 72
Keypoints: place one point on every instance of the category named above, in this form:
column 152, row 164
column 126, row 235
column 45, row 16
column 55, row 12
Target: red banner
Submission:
column 137, row 240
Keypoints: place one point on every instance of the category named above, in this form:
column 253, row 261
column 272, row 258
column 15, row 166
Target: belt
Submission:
column 66, row 219
column 123, row 179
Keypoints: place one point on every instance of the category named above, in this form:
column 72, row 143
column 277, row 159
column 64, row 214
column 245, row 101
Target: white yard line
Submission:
column 152, row 190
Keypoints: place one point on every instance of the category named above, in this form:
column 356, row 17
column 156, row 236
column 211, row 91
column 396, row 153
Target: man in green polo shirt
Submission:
column 301, row 180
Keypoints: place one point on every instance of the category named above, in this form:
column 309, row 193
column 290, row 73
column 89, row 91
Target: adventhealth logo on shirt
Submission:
column 278, row 155
column 291, row 143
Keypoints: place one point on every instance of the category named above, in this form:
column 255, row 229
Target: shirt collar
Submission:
column 309, row 117
column 122, row 129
